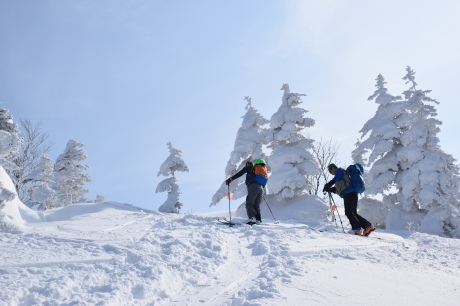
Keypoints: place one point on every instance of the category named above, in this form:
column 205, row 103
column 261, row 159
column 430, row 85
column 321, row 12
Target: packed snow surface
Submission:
column 118, row 254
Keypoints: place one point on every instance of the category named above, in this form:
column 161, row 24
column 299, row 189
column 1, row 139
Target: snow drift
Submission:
column 118, row 254
column 305, row 208
column 13, row 213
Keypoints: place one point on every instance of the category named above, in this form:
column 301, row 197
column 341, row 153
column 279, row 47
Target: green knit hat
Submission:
column 331, row 166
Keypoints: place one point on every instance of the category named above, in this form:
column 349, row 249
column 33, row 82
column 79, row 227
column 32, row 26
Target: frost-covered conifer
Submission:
column 419, row 181
column 428, row 182
column 379, row 150
column 69, row 176
column 383, row 140
column 250, row 138
column 42, row 179
column 10, row 141
column 172, row 164
column 290, row 161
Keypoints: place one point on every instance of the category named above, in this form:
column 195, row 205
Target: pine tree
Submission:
column 419, row 181
column 10, row 142
column 172, row 164
column 379, row 151
column 42, row 179
column 383, row 141
column 250, row 138
column 429, row 181
column 291, row 162
column 69, row 176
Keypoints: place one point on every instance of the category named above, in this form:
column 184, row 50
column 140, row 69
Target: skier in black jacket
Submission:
column 255, row 189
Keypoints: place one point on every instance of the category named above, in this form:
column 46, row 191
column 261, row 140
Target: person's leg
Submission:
column 251, row 199
column 248, row 211
column 350, row 201
column 362, row 221
column 257, row 202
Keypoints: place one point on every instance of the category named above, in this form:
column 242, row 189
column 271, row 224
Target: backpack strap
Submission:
column 252, row 176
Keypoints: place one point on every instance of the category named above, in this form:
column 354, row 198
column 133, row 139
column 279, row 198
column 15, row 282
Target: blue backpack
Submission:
column 356, row 173
column 260, row 175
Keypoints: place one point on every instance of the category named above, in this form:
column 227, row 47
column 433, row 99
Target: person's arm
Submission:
column 240, row 173
column 327, row 187
column 338, row 175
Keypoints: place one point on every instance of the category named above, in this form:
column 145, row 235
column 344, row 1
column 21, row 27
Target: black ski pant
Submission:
column 350, row 201
column 253, row 199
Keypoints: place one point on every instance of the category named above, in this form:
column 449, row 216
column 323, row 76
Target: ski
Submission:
column 367, row 237
column 225, row 221
column 316, row 229
column 250, row 223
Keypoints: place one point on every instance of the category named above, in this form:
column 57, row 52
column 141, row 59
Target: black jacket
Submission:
column 249, row 175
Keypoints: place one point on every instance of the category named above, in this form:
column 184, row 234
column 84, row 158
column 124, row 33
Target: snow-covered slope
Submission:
column 117, row 254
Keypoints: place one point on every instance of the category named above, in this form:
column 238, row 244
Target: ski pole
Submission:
column 229, row 210
column 276, row 222
column 331, row 198
column 332, row 210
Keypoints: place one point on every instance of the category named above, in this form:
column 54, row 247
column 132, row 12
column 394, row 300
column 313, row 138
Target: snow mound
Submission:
column 13, row 213
column 71, row 212
column 305, row 208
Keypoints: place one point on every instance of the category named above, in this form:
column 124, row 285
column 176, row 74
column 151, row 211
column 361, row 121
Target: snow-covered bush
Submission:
column 290, row 161
column 172, row 164
column 249, row 141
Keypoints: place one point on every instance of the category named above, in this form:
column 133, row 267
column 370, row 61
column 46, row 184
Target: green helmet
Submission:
column 331, row 166
column 259, row 161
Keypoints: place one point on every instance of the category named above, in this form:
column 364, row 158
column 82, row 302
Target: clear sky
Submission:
column 126, row 77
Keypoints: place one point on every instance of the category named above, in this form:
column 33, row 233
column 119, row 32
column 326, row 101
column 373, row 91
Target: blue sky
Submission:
column 126, row 77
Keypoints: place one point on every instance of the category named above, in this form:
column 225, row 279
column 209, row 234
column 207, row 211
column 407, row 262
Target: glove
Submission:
column 228, row 181
column 328, row 186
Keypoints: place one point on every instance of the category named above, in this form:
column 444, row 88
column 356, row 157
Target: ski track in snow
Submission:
column 129, row 257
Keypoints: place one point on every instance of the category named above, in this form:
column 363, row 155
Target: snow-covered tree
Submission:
column 69, row 176
column 384, row 131
column 250, row 138
column 9, row 213
column 418, row 180
column 429, row 181
column 9, row 141
column 379, row 150
column 325, row 153
column 35, row 144
column 172, row 164
column 291, row 162
column 42, row 179
column 99, row 199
